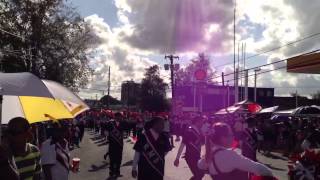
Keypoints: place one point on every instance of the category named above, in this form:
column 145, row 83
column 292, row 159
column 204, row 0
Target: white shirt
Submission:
column 48, row 157
column 228, row 160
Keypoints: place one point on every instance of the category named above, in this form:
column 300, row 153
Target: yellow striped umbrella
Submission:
column 38, row 109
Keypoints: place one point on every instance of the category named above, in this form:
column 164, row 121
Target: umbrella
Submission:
column 37, row 109
column 27, row 84
column 228, row 110
column 22, row 84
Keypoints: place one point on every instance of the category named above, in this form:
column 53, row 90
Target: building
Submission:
column 130, row 91
column 211, row 98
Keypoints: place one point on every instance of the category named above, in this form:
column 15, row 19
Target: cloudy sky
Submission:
column 135, row 34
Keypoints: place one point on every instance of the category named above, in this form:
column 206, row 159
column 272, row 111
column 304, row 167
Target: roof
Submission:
column 307, row 63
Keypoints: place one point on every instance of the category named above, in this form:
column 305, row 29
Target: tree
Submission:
column 316, row 96
column 185, row 76
column 112, row 100
column 295, row 94
column 153, row 91
column 44, row 37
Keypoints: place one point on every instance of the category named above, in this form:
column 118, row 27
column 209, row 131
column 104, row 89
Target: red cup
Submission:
column 75, row 164
column 263, row 178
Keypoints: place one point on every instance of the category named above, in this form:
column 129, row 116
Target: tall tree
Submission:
column 316, row 96
column 185, row 76
column 112, row 101
column 153, row 91
column 45, row 37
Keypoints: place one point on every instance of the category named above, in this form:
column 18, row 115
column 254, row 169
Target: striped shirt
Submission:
column 28, row 166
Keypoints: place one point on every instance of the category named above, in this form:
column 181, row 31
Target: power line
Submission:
column 302, row 87
column 268, row 64
column 277, row 48
column 283, row 67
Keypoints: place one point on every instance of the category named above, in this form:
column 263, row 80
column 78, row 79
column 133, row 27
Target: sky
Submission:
column 132, row 35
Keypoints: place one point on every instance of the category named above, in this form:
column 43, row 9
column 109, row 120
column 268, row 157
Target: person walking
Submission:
column 192, row 139
column 115, row 130
column 150, row 151
column 249, row 140
column 75, row 131
column 55, row 155
column 81, row 127
column 223, row 163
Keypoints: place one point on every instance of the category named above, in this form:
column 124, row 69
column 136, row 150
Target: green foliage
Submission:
column 185, row 76
column 316, row 96
column 112, row 100
column 52, row 40
column 153, row 91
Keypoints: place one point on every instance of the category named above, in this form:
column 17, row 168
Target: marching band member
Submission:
column 115, row 130
column 312, row 141
column 150, row 151
column 249, row 140
column 192, row 139
column 223, row 163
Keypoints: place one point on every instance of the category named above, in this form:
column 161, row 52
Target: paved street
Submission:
column 93, row 167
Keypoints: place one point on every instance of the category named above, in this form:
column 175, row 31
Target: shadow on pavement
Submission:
column 100, row 141
column 96, row 138
column 102, row 144
column 274, row 168
column 129, row 163
column 95, row 168
column 273, row 156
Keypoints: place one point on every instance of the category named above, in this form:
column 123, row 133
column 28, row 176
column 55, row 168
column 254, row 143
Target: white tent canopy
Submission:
column 269, row 110
column 228, row 110
column 284, row 112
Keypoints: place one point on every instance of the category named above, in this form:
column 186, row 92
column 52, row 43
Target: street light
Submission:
column 255, row 83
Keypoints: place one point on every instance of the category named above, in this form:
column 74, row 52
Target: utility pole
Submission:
column 255, row 84
column 172, row 68
column 228, row 94
column 246, row 85
column 296, row 98
column 236, row 91
column 128, row 94
column 234, row 50
column 222, row 76
column 109, row 83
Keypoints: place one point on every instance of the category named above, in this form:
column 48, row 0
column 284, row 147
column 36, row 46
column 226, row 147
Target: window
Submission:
column 261, row 93
column 269, row 93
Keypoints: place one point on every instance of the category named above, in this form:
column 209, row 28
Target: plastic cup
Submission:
column 75, row 164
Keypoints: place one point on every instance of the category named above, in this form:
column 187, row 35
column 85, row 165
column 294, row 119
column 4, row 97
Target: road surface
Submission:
column 94, row 167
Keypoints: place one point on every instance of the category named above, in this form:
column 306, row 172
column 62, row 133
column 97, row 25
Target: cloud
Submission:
column 126, row 63
column 306, row 13
column 169, row 26
column 276, row 23
column 149, row 27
